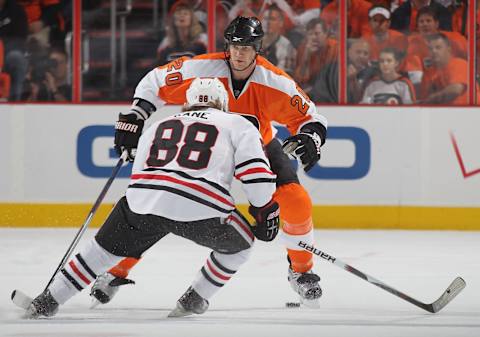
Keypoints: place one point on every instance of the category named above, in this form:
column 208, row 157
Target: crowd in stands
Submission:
column 398, row 51
column 33, row 57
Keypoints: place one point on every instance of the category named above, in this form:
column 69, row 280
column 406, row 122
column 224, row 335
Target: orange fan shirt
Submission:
column 436, row 79
column 418, row 51
column 315, row 61
column 269, row 94
column 394, row 39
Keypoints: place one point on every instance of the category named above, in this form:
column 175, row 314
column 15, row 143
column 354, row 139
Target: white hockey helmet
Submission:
column 207, row 90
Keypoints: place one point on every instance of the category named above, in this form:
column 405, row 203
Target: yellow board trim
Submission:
column 332, row 217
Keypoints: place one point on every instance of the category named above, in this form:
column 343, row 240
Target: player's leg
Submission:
column 295, row 211
column 124, row 233
column 296, row 215
column 231, row 243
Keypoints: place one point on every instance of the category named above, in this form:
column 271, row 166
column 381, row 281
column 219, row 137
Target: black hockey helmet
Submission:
column 245, row 31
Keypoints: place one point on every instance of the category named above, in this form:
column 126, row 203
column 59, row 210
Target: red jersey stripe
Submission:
column 184, row 183
column 254, row 170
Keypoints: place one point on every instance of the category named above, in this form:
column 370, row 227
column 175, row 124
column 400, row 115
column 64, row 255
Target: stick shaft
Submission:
column 90, row 215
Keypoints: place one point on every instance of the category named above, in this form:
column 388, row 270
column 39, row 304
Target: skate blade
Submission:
column 94, row 303
column 30, row 313
column 312, row 304
column 179, row 312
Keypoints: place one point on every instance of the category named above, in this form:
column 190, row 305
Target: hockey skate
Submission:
column 306, row 286
column 190, row 303
column 43, row 305
column 105, row 288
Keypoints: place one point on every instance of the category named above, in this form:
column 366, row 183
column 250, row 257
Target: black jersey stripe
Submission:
column 85, row 266
column 72, row 280
column 219, row 265
column 184, row 194
column 209, row 279
column 254, row 160
column 187, row 176
column 258, row 180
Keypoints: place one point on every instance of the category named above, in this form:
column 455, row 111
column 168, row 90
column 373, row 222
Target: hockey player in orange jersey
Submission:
column 264, row 94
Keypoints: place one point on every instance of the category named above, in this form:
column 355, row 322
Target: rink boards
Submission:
column 415, row 168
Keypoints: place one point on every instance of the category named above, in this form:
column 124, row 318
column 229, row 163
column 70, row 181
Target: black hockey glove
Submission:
column 306, row 144
column 128, row 130
column 267, row 219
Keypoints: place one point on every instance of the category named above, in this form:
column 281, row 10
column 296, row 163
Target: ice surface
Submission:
column 420, row 263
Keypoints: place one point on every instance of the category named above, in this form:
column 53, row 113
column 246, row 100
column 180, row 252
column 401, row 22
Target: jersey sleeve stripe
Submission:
column 250, row 161
column 258, row 180
column 254, row 171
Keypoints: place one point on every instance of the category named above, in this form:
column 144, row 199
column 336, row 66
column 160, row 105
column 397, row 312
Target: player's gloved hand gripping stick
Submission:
column 24, row 301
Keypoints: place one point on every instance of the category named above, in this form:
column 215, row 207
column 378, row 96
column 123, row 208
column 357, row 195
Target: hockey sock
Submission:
column 81, row 270
column 123, row 268
column 301, row 261
column 216, row 272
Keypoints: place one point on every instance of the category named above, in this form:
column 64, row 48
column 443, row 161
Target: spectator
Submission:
column 390, row 87
column 47, row 80
column 57, row 77
column 296, row 12
column 185, row 36
column 418, row 53
column 381, row 36
column 276, row 47
column 316, row 51
column 45, row 21
column 357, row 17
column 404, row 18
column 359, row 69
column 13, row 33
column 460, row 17
column 446, row 80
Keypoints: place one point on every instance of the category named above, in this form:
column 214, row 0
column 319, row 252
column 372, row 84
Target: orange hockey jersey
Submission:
column 269, row 94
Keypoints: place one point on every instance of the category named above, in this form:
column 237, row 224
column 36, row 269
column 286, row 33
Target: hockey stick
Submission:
column 21, row 299
column 449, row 294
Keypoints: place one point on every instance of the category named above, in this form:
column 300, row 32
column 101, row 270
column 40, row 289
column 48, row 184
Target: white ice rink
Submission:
column 421, row 264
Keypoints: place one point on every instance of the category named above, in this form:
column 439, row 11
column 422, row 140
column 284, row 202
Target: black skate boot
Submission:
column 105, row 288
column 306, row 286
column 43, row 305
column 190, row 303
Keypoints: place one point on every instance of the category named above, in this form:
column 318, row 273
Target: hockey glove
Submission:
column 304, row 146
column 128, row 130
column 267, row 219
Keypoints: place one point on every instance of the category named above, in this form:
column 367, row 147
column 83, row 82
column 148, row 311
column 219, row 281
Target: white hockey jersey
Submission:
column 185, row 165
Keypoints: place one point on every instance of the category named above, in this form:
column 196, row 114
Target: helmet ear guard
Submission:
column 244, row 31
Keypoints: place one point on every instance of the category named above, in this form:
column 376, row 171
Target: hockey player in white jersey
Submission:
column 180, row 184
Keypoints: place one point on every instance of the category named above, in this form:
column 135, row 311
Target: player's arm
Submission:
column 308, row 127
column 153, row 91
column 252, row 168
